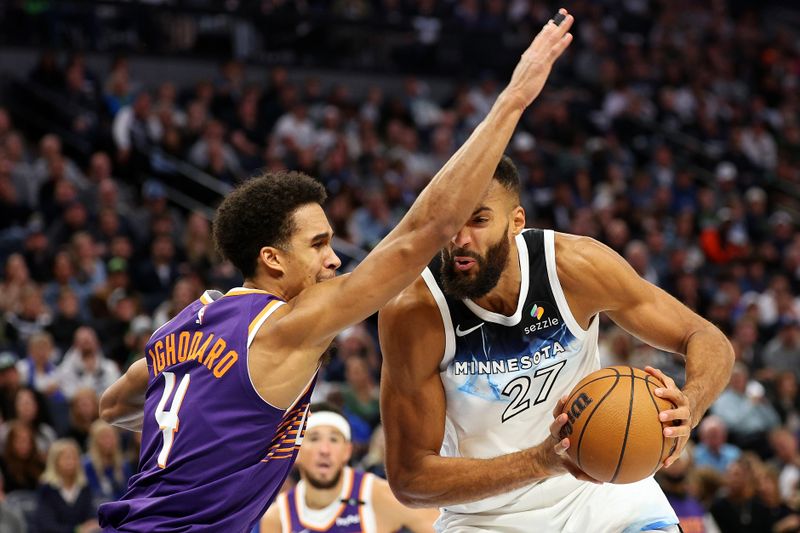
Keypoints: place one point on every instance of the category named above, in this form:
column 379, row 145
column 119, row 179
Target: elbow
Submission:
column 107, row 411
column 409, row 489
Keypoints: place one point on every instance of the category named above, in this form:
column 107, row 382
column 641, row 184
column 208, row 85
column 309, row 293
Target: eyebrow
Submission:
column 480, row 209
column 321, row 236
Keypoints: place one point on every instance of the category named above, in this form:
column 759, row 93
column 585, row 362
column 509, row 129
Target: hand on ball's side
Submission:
column 678, row 421
column 561, row 445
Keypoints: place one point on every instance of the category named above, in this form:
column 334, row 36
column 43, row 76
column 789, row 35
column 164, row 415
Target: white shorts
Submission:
column 636, row 507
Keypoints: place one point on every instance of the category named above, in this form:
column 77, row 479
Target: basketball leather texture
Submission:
column 614, row 431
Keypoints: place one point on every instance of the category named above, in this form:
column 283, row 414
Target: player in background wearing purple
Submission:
column 222, row 395
column 332, row 497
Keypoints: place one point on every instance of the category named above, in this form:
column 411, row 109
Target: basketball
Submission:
column 614, row 431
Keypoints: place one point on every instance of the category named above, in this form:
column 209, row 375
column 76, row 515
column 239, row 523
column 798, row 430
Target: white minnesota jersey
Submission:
column 503, row 375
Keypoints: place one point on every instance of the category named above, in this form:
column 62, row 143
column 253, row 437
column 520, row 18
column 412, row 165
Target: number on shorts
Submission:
column 168, row 420
column 518, row 388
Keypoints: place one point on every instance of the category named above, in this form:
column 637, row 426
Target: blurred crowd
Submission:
column 672, row 135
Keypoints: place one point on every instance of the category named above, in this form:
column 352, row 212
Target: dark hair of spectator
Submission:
column 261, row 213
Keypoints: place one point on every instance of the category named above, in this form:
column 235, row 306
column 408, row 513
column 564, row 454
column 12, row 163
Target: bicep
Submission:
column 412, row 394
column 642, row 309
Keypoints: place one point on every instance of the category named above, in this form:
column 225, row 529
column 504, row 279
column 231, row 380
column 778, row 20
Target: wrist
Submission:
column 696, row 410
column 511, row 100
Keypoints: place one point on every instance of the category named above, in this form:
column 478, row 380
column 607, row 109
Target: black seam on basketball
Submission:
column 589, row 419
column 661, row 453
column 627, row 428
column 572, row 397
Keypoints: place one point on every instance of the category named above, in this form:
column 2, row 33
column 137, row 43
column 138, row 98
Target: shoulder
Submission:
column 416, row 298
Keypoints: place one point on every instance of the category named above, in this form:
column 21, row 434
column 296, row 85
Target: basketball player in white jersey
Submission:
column 332, row 497
column 479, row 353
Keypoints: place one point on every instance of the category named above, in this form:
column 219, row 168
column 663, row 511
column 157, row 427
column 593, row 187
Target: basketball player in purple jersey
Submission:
column 221, row 397
column 334, row 498
column 479, row 353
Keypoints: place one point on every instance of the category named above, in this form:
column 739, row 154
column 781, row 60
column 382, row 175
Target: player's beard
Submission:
column 321, row 484
column 463, row 285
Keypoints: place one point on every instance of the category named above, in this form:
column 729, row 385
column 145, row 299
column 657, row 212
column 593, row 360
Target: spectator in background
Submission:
column 780, row 516
column 11, row 520
column 184, row 292
column 787, row 461
column 31, row 317
column 9, row 384
column 714, row 451
column 738, row 510
column 360, row 392
column 85, row 366
column 158, row 273
column 15, row 278
column 107, row 472
column 90, row 269
column 30, row 411
column 67, row 320
column 786, row 401
column 21, row 463
column 782, row 353
column 674, row 482
column 83, row 410
column 136, row 129
column 37, row 370
column 745, row 410
column 63, row 278
column 64, row 499
column 213, row 148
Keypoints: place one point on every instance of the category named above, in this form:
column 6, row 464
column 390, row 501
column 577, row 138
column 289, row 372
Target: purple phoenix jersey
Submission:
column 214, row 454
column 350, row 517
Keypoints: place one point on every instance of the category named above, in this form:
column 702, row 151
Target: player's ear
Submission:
column 518, row 220
column 273, row 259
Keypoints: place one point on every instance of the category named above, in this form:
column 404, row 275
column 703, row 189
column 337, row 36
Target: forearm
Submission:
column 122, row 403
column 441, row 481
column 453, row 193
column 709, row 360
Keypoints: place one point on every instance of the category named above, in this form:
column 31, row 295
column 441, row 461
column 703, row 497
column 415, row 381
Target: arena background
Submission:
column 670, row 131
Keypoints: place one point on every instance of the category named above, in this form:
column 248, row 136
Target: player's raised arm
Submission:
column 323, row 310
column 413, row 413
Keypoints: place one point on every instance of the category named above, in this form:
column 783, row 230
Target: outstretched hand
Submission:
column 561, row 446
column 536, row 62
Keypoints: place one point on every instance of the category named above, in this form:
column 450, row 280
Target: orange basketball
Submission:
column 614, row 431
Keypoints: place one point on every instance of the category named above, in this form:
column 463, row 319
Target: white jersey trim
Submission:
column 369, row 520
column 260, row 322
column 524, row 267
column 555, row 286
column 444, row 311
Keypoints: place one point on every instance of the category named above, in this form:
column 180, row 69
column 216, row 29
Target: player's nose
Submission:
column 333, row 262
column 462, row 238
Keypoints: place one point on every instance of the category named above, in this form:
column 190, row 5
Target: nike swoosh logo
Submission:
column 461, row 333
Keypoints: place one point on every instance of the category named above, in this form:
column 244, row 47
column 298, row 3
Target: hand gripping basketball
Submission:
column 562, row 444
column 677, row 421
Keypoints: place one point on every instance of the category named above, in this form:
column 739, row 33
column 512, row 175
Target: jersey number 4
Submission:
column 518, row 389
column 168, row 420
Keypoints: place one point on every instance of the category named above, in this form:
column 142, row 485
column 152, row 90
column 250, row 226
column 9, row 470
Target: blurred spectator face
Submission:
column 739, row 378
column 16, row 270
column 68, row 305
column 65, row 192
column 167, row 93
column 86, row 341
column 142, row 105
column 739, row 478
column 15, row 147
column 713, row 433
column 324, row 454
column 50, row 146
column 636, row 254
column 32, row 303
column 768, row 489
column 5, row 121
column 25, row 406
column 784, row 443
column 215, row 131
column 67, row 462
column 109, row 222
column 184, row 293
column 786, row 385
column 357, row 373
column 789, row 333
column 196, row 116
column 84, row 407
column 121, row 246
column 21, row 442
column 163, row 249
column 75, row 216
column 40, row 348
column 99, row 167
column 83, row 246
column 105, row 438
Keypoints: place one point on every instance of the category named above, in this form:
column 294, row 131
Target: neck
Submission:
column 321, row 498
column 268, row 284
column 504, row 296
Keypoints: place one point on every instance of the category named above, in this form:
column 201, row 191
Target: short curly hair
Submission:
column 259, row 213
